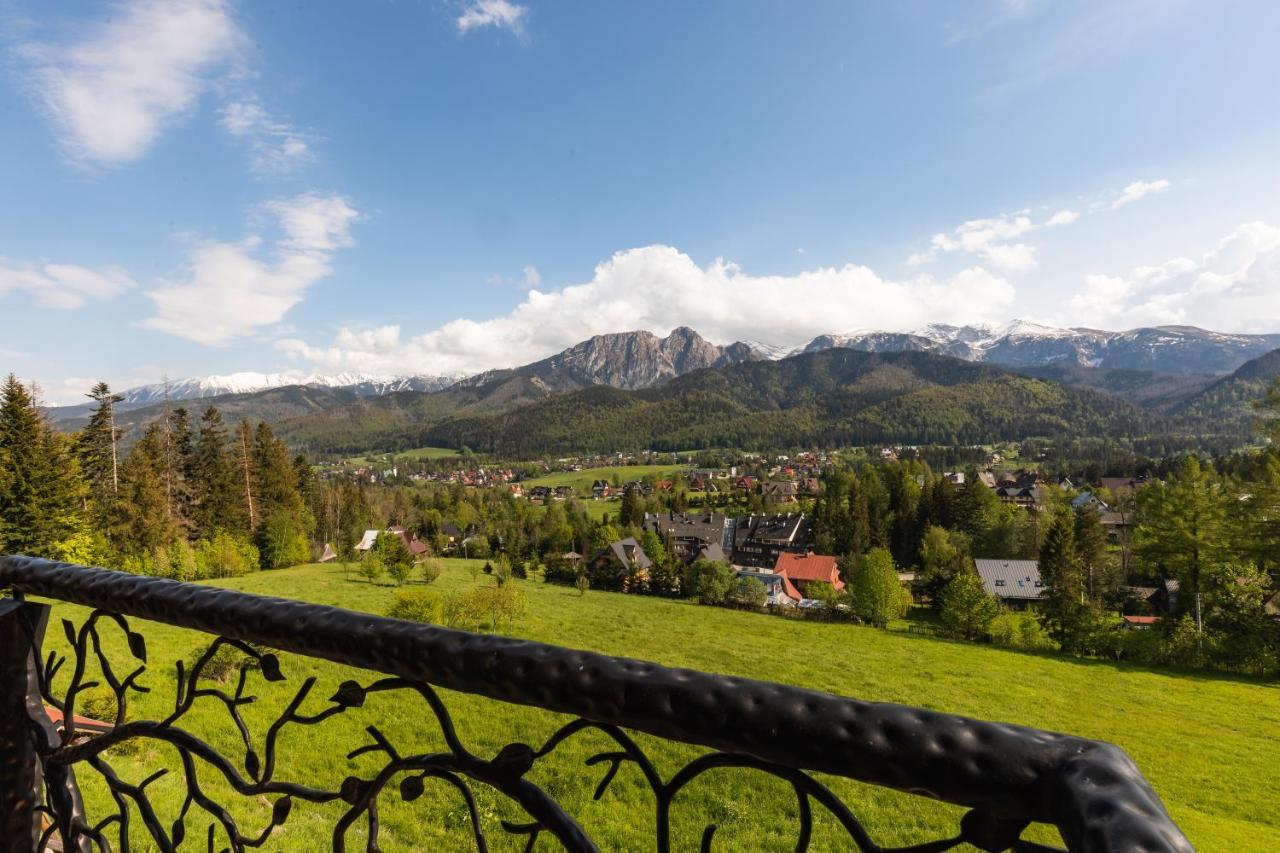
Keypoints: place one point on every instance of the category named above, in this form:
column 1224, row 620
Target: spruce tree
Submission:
column 216, row 496
column 1063, row 580
column 41, row 495
column 97, row 448
column 143, row 524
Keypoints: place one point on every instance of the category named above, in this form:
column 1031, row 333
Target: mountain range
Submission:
column 633, row 360
column 1161, row 379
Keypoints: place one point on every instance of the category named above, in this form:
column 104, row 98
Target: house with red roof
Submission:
column 800, row 570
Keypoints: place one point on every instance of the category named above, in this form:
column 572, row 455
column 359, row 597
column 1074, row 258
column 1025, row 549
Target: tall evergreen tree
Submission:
column 98, row 451
column 142, row 520
column 40, row 490
column 217, row 497
column 1063, row 580
column 1181, row 525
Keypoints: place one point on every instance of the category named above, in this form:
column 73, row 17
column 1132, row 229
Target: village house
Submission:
column 417, row 548
column 601, row 490
column 1016, row 583
column 803, row 570
column 690, row 533
column 622, row 565
column 779, row 590
column 779, row 491
column 759, row 539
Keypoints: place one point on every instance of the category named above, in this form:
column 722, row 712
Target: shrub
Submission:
column 99, row 704
column 484, row 608
column 371, row 567
column 502, row 572
column 748, row 593
column 399, row 571
column 225, row 556
column 1019, row 631
column 418, row 605
column 281, row 543
column 583, row 583
column 708, row 582
column 430, row 571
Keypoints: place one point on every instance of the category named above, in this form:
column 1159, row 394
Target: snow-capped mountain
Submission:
column 365, row 385
column 1163, row 349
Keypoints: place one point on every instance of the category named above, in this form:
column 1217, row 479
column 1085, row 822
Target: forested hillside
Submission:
column 831, row 398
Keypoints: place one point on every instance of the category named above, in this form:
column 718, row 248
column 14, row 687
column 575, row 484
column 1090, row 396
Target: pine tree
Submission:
column 41, row 495
column 98, row 451
column 181, row 465
column 20, row 440
column 217, row 498
column 275, row 480
column 1181, row 526
column 1063, row 580
column 142, row 521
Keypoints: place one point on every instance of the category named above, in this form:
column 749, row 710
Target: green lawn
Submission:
column 416, row 453
column 581, row 481
column 1207, row 743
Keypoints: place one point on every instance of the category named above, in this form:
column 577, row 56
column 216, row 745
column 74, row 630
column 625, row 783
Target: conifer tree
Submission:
column 1063, row 580
column 142, row 521
column 216, row 496
column 40, row 491
column 98, row 451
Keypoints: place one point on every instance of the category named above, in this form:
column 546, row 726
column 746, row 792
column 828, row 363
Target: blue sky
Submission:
column 205, row 186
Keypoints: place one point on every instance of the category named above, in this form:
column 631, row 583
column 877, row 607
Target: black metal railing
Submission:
column 1007, row 776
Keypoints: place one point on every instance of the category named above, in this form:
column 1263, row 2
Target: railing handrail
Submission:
column 1091, row 790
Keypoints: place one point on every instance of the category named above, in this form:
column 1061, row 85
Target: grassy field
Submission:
column 1207, row 743
column 581, row 481
column 416, row 453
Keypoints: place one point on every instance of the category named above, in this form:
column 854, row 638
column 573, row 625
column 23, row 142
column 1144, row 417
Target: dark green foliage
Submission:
column 281, row 542
column 708, row 582
column 875, row 594
column 748, row 593
column 967, row 609
column 824, row 399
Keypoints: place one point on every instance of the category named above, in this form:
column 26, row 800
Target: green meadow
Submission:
column 1207, row 743
column 416, row 453
column 580, row 481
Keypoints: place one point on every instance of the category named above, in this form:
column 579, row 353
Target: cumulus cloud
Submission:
column 658, row 288
column 232, row 289
column 502, row 14
column 277, row 146
column 992, row 240
column 112, row 93
column 62, row 285
column 1233, row 287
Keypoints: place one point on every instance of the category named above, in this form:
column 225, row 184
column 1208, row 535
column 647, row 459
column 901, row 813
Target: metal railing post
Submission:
column 20, row 782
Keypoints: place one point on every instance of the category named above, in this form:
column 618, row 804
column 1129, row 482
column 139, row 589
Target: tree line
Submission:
column 187, row 499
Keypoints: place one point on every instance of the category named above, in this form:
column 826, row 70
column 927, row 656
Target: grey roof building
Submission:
column 1015, row 582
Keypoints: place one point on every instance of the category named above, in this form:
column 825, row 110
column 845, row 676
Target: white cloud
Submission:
column 1233, row 287
column 111, row 94
column 1062, row 217
column 658, row 288
column 230, row 290
column 1138, row 189
column 63, row 285
column 277, row 146
column 502, row 14
column 988, row 239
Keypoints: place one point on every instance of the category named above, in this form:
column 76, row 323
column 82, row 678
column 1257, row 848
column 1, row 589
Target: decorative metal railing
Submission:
column 1008, row 777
